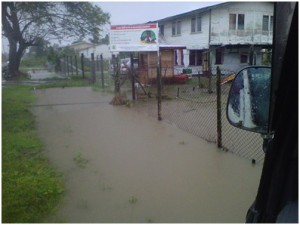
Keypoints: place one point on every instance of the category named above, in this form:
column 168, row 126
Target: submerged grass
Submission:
column 31, row 188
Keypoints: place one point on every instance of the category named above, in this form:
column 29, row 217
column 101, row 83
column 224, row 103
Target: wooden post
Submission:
column 71, row 62
column 76, row 65
column 132, row 76
column 93, row 72
column 199, row 83
column 65, row 65
column 209, row 74
column 219, row 109
column 117, row 76
column 68, row 71
column 82, row 65
column 102, row 70
column 158, row 87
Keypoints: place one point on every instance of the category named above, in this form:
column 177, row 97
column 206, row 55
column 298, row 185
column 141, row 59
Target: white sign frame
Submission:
column 134, row 38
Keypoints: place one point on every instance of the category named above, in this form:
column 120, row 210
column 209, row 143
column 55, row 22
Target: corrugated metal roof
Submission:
column 193, row 12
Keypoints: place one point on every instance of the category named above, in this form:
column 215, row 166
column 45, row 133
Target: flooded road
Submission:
column 124, row 166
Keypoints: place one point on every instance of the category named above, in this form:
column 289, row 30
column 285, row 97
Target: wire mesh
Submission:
column 193, row 108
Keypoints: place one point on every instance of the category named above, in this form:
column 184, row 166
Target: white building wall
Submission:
column 222, row 36
column 252, row 33
column 198, row 40
column 232, row 60
column 97, row 50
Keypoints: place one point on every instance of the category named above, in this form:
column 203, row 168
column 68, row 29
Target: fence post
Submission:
column 93, row 72
column 82, row 65
column 71, row 62
column 219, row 109
column 68, row 70
column 102, row 70
column 76, row 65
column 199, row 83
column 64, row 66
column 132, row 76
column 158, row 87
column 98, row 64
column 117, row 74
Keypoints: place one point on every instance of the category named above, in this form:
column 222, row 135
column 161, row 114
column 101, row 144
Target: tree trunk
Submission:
column 16, row 52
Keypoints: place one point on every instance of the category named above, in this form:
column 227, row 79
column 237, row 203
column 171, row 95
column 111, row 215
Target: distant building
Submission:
column 79, row 46
column 97, row 49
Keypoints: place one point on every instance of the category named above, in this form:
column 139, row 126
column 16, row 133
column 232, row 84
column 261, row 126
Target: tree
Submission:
column 40, row 48
column 24, row 23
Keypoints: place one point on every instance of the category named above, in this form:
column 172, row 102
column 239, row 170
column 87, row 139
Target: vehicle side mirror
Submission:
column 249, row 99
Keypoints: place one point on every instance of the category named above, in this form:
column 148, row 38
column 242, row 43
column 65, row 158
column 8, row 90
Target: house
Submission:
column 231, row 35
column 88, row 48
column 97, row 49
column 79, row 46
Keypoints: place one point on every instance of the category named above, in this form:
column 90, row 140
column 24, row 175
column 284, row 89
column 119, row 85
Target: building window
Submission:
column 267, row 24
column 193, row 25
column 241, row 21
column 244, row 58
column 271, row 23
column 176, row 28
column 236, row 21
column 219, row 56
column 178, row 57
column 196, row 24
column 232, row 21
column 162, row 29
column 195, row 58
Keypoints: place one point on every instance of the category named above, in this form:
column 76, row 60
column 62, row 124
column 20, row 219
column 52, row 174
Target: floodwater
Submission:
column 123, row 166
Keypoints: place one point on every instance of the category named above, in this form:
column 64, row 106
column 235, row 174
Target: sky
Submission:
column 137, row 12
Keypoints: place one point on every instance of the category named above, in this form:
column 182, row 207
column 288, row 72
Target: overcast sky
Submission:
column 137, row 12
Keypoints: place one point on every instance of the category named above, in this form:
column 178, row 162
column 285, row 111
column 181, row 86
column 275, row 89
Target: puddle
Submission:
column 121, row 166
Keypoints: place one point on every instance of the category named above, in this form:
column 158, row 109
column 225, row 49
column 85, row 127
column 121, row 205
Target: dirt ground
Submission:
column 120, row 165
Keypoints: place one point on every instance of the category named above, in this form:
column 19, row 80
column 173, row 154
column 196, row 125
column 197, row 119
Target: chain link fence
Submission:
column 193, row 107
column 91, row 68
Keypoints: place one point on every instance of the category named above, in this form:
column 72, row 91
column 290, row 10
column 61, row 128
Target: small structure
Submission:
column 148, row 63
column 79, row 46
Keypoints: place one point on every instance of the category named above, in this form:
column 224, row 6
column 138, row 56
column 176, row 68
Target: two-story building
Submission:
column 231, row 35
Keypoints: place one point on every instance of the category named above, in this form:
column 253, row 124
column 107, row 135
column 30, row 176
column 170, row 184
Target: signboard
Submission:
column 134, row 38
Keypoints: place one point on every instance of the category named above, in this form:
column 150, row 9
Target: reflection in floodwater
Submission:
column 138, row 169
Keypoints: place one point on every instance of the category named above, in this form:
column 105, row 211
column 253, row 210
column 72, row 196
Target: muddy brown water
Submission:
column 123, row 166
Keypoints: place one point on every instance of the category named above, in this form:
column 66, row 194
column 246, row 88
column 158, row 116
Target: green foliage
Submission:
column 133, row 200
column 24, row 24
column 80, row 161
column 31, row 188
column 34, row 62
column 40, row 48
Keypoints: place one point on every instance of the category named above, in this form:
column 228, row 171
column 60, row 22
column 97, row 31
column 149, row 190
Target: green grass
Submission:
column 80, row 161
column 65, row 83
column 31, row 188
